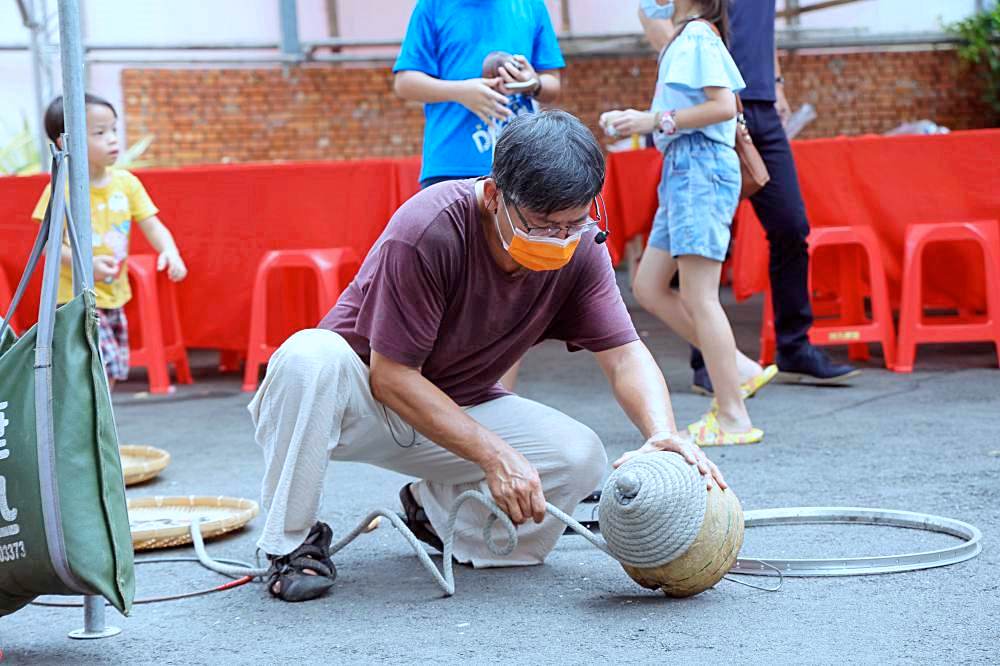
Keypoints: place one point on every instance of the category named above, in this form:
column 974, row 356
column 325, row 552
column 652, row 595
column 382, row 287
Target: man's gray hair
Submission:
column 548, row 162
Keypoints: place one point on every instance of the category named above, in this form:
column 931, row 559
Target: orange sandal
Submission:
column 708, row 432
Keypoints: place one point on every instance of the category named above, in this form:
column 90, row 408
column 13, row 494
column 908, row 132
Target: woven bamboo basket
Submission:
column 163, row 522
column 142, row 463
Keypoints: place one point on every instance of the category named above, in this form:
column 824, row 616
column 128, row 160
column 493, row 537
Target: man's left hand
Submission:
column 688, row 450
column 781, row 104
column 517, row 70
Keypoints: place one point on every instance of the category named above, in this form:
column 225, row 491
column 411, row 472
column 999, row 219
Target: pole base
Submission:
column 84, row 634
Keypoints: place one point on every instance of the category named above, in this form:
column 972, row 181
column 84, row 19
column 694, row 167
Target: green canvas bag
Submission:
column 63, row 518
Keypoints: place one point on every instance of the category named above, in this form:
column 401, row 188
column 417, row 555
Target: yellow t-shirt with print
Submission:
column 113, row 209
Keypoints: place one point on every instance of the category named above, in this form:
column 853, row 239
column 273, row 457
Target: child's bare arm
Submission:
column 163, row 242
column 477, row 95
column 719, row 107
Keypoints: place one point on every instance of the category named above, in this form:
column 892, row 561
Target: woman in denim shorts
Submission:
column 693, row 120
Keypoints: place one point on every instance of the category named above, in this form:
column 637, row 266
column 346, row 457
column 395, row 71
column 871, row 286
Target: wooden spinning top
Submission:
column 666, row 529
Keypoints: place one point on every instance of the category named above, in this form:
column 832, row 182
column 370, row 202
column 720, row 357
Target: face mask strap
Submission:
column 510, row 220
column 602, row 214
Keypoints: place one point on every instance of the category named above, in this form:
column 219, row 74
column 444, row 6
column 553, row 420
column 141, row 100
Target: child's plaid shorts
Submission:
column 112, row 335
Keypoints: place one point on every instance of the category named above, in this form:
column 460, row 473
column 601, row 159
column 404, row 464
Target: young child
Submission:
column 693, row 119
column 117, row 199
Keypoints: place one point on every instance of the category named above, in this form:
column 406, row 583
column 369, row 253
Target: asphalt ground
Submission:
column 925, row 442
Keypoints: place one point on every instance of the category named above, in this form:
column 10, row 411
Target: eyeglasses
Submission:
column 558, row 230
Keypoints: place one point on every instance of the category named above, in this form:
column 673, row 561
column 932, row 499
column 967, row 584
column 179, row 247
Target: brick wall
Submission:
column 334, row 112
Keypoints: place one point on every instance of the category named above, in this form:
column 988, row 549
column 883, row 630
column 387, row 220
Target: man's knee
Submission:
column 581, row 455
column 310, row 355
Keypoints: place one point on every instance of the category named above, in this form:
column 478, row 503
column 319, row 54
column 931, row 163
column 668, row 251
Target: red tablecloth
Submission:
column 886, row 183
column 224, row 219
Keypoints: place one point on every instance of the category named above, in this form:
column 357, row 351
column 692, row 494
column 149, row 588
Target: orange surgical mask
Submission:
column 537, row 254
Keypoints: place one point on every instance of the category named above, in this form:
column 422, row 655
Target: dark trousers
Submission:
column 782, row 213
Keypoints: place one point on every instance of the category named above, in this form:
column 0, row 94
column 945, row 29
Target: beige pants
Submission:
column 315, row 405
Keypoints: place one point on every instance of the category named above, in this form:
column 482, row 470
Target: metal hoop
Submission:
column 858, row 566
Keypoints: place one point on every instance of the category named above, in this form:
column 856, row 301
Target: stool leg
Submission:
column 910, row 308
column 881, row 308
column 152, row 331
column 853, row 298
column 768, row 339
column 991, row 269
column 182, row 368
column 258, row 331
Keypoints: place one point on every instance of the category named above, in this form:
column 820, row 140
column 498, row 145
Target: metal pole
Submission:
column 84, row 34
column 792, row 16
column 75, row 116
column 30, row 19
column 93, row 621
column 290, row 44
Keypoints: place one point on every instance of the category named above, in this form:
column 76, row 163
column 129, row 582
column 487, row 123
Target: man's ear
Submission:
column 490, row 193
column 58, row 143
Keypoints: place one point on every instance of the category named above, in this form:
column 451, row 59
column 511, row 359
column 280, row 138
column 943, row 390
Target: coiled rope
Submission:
column 652, row 510
column 445, row 577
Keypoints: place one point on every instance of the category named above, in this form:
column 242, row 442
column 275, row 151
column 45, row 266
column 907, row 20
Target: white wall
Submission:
column 886, row 16
column 144, row 22
column 159, row 22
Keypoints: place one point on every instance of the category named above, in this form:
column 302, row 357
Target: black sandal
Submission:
column 417, row 521
column 290, row 573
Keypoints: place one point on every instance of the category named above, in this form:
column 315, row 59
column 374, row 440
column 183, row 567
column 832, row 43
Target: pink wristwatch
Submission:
column 667, row 122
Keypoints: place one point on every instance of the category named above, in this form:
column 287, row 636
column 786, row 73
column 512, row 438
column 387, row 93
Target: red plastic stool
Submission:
column 333, row 268
column 850, row 327
column 6, row 294
column 966, row 327
column 154, row 305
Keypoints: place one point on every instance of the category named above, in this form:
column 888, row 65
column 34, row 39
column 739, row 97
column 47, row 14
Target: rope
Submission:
column 243, row 573
column 652, row 510
column 444, row 577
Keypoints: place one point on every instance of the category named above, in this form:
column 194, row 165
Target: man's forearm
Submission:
column 640, row 389
column 433, row 414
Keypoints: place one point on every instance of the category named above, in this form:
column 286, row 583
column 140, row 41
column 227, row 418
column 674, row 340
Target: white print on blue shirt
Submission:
column 485, row 136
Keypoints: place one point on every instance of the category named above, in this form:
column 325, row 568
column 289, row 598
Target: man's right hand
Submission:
column 515, row 486
column 481, row 97
column 105, row 266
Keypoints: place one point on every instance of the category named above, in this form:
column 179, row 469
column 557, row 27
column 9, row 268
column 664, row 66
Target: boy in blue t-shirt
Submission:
column 441, row 64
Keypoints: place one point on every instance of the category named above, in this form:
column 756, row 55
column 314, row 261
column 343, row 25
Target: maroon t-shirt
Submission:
column 430, row 295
